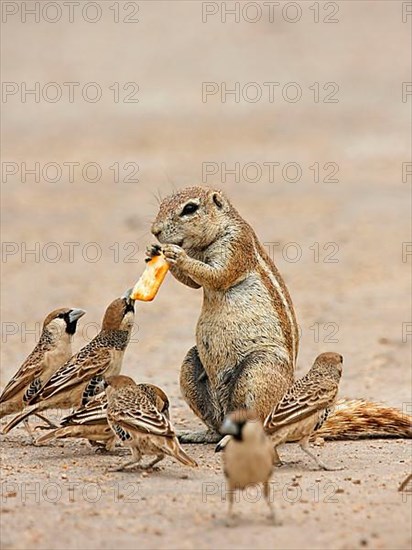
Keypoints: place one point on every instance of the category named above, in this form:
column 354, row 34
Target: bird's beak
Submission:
column 75, row 314
column 128, row 296
column 229, row 427
column 129, row 300
column 222, row 444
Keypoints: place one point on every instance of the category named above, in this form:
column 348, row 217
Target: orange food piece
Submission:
column 152, row 277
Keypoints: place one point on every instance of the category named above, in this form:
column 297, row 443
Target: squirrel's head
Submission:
column 192, row 218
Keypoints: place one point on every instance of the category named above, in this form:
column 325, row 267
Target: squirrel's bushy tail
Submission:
column 361, row 419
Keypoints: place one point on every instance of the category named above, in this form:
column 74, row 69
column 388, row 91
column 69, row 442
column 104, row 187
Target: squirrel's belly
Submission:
column 237, row 322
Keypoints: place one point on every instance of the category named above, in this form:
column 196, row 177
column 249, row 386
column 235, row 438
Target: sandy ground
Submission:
column 61, row 496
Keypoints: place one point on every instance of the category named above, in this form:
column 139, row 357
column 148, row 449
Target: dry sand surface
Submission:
column 60, row 496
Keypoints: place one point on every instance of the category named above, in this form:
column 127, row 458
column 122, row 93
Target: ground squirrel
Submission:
column 247, row 335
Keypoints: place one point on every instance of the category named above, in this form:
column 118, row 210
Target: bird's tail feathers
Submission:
column 19, row 418
column 59, row 433
column 180, row 454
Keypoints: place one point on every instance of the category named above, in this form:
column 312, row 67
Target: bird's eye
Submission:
column 190, row 208
column 60, row 316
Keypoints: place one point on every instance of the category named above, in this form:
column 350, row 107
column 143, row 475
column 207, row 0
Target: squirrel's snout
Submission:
column 156, row 229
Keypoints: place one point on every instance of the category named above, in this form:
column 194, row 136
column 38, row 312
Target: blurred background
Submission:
column 109, row 106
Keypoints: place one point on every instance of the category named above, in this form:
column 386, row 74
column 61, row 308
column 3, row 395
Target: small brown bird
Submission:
column 138, row 414
column 90, row 422
column 306, row 405
column 51, row 352
column 81, row 377
column 87, row 422
column 248, row 455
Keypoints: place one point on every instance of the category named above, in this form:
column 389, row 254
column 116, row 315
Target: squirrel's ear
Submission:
column 218, row 199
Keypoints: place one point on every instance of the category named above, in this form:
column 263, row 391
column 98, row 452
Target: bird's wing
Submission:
column 300, row 402
column 162, row 401
column 31, row 369
column 94, row 412
column 80, row 369
column 143, row 417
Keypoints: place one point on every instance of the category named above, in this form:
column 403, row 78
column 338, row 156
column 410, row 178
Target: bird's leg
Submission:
column 124, row 466
column 29, row 430
column 304, row 445
column 230, row 521
column 277, row 461
column 49, row 423
column 110, row 445
column 266, row 494
column 99, row 446
column 136, row 457
column 155, row 461
column 94, row 443
column 231, row 498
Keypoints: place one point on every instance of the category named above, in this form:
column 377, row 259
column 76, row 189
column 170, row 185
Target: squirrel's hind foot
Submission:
column 205, row 436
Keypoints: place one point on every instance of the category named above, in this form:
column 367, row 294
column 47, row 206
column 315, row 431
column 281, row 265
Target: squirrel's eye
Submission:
column 189, row 208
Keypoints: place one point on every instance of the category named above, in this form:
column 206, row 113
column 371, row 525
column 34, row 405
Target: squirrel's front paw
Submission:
column 152, row 251
column 173, row 253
